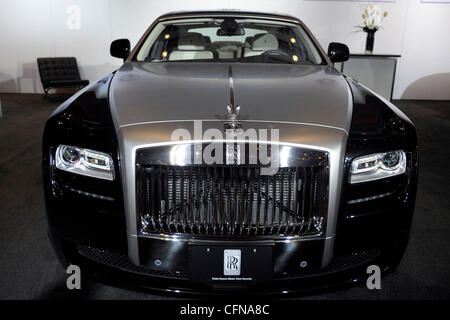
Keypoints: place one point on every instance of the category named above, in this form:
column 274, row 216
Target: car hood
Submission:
column 143, row 93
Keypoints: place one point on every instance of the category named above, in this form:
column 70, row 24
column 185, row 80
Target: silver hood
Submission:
column 310, row 105
column 164, row 92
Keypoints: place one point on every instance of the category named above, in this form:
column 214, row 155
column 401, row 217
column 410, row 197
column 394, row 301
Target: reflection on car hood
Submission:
column 154, row 92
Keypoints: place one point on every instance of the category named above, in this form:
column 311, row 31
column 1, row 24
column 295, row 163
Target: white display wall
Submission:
column 85, row 28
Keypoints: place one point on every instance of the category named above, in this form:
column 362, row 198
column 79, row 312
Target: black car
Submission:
column 154, row 176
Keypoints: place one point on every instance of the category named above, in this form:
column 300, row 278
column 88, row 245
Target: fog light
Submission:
column 157, row 262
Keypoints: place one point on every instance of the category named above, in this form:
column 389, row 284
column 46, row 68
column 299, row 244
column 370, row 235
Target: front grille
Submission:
column 231, row 200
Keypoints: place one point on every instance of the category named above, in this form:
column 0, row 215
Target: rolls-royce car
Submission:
column 227, row 153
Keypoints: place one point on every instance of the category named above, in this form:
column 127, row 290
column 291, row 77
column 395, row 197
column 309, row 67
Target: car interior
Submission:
column 230, row 41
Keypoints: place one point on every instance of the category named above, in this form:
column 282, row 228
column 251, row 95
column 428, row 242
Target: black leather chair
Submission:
column 60, row 73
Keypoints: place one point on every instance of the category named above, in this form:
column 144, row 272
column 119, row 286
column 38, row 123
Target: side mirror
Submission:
column 120, row 48
column 338, row 52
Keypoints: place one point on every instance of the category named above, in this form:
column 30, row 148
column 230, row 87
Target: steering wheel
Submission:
column 277, row 54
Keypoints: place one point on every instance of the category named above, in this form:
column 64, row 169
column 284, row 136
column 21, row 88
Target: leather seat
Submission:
column 260, row 44
column 228, row 52
column 246, row 46
column 191, row 46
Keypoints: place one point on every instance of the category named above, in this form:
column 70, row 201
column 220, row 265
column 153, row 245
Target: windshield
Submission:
column 229, row 40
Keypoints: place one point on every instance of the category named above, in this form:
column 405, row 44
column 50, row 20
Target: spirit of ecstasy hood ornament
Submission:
column 232, row 108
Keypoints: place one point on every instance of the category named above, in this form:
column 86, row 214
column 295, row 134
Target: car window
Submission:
column 229, row 39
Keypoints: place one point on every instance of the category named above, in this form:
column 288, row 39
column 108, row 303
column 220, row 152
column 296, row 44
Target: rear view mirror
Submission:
column 229, row 27
column 338, row 52
column 120, row 48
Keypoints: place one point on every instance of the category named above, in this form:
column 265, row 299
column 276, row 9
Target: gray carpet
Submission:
column 29, row 270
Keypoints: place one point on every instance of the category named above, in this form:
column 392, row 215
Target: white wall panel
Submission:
column 424, row 70
column 90, row 42
column 130, row 18
column 25, row 34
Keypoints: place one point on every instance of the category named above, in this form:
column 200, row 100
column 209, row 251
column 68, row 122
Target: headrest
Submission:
column 265, row 42
column 191, row 41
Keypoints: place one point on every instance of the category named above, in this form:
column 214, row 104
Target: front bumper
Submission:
column 112, row 268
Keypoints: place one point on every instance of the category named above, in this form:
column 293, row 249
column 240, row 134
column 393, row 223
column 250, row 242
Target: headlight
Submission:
column 378, row 166
column 85, row 162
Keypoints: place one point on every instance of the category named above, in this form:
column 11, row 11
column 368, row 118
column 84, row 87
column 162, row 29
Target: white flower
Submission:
column 373, row 17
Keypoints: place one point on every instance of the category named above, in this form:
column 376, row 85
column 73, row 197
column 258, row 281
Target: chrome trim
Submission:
column 233, row 110
column 335, row 188
column 192, row 238
column 230, row 80
column 254, row 120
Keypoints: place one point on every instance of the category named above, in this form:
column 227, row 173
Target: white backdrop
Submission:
column 85, row 28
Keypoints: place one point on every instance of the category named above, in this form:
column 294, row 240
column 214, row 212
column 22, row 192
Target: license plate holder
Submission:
column 231, row 263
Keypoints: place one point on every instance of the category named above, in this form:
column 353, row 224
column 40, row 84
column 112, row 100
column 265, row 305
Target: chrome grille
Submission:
column 231, row 200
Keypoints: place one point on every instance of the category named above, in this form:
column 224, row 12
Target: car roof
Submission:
column 270, row 15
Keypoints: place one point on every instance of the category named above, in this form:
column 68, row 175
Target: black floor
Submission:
column 28, row 268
